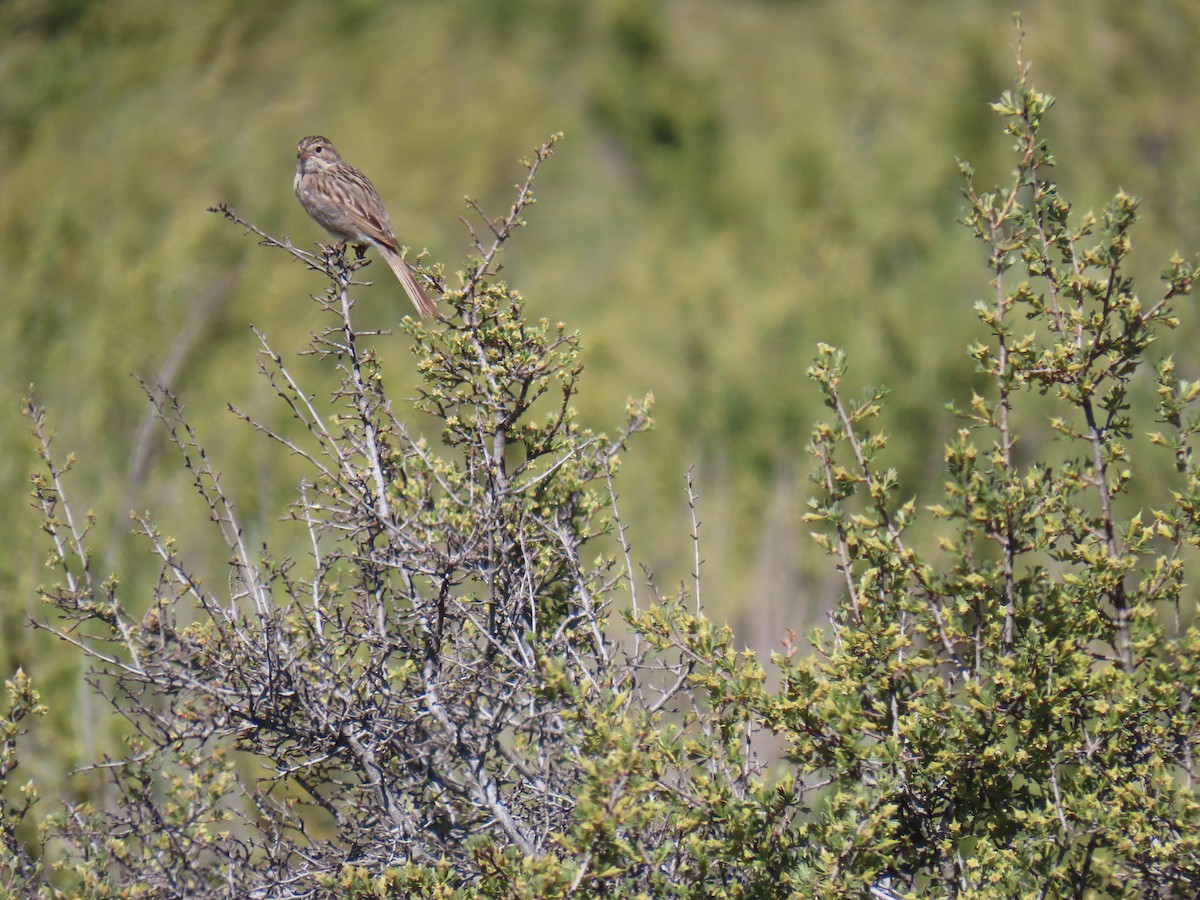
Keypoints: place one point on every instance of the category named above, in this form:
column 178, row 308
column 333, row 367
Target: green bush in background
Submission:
column 740, row 182
column 434, row 698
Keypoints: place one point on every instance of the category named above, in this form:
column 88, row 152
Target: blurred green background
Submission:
column 739, row 181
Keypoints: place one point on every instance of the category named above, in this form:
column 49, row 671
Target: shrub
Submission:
column 465, row 689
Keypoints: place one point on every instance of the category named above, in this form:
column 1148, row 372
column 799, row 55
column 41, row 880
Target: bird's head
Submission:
column 315, row 153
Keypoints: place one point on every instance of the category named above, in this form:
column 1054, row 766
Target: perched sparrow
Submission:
column 343, row 201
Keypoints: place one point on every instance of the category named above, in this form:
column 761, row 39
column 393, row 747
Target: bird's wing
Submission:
column 366, row 202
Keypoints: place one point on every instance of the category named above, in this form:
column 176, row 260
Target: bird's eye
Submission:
column 318, row 149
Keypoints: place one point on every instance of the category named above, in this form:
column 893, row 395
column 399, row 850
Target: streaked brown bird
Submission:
column 342, row 200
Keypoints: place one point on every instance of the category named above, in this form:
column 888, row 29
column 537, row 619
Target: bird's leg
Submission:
column 336, row 250
column 360, row 250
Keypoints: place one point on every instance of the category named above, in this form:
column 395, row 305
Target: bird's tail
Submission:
column 414, row 290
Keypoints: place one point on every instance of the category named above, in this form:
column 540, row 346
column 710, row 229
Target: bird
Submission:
column 342, row 200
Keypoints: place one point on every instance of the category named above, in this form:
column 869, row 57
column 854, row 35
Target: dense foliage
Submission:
column 740, row 181
column 466, row 687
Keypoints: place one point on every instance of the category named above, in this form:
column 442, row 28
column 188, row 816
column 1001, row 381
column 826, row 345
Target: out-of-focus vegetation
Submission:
column 739, row 181
column 436, row 700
